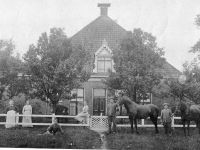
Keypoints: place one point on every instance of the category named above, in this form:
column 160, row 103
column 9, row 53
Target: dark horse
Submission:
column 188, row 112
column 136, row 111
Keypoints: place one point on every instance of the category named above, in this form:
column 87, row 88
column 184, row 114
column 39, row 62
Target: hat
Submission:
column 165, row 104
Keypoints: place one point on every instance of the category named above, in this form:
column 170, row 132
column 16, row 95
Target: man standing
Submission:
column 111, row 113
column 166, row 118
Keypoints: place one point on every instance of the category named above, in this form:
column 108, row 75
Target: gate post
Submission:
column 53, row 116
column 173, row 122
column 142, row 122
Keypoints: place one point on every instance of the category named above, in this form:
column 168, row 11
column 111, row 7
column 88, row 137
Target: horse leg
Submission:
column 131, row 121
column 197, row 126
column 155, row 122
column 135, row 122
column 188, row 127
column 198, row 123
column 184, row 127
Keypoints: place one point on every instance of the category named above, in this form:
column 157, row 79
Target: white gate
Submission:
column 99, row 123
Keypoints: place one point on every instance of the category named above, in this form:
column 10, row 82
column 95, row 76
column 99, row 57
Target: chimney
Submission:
column 104, row 8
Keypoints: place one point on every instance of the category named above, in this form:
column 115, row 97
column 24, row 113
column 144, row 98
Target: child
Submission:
column 53, row 128
column 166, row 118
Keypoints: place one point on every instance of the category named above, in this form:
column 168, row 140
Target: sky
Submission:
column 170, row 21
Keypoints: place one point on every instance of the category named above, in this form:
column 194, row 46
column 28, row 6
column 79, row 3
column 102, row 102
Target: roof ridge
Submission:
column 94, row 21
column 172, row 66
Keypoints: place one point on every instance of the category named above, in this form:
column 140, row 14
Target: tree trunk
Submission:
column 135, row 95
column 54, row 108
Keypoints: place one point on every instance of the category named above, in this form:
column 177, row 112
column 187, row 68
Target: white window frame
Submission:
column 97, row 56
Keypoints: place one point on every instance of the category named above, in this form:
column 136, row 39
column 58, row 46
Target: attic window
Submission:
column 104, row 64
column 103, row 59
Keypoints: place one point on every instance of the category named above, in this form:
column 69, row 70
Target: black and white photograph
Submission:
column 100, row 74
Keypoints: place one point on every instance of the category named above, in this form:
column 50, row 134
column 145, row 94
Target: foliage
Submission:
column 136, row 64
column 10, row 67
column 188, row 90
column 196, row 47
column 55, row 67
column 191, row 88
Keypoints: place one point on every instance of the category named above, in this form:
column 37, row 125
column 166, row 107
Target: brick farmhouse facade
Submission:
column 101, row 37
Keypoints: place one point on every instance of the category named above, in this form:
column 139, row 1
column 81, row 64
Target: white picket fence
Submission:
column 94, row 122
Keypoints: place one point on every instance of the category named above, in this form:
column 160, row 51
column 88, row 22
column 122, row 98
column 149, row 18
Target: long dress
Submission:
column 82, row 117
column 27, row 110
column 12, row 117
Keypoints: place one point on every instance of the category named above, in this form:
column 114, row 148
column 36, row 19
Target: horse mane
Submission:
column 128, row 100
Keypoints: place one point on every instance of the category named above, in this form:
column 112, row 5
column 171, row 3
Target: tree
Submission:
column 191, row 88
column 55, row 67
column 137, row 64
column 10, row 67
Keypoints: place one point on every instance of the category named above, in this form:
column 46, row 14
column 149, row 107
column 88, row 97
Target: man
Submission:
column 166, row 118
column 111, row 113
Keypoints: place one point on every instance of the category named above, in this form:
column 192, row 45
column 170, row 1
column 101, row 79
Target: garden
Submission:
column 73, row 138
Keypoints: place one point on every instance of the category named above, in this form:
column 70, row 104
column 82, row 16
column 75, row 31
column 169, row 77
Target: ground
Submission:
column 83, row 138
column 74, row 137
column 148, row 140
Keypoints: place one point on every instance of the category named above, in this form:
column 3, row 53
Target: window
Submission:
column 77, row 102
column 99, row 101
column 146, row 99
column 80, row 94
column 99, row 92
column 103, row 59
column 104, row 64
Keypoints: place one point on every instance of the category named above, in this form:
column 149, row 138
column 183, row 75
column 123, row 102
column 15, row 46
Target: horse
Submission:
column 136, row 111
column 188, row 112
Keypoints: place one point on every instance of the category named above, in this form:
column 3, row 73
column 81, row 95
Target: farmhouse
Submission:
column 101, row 37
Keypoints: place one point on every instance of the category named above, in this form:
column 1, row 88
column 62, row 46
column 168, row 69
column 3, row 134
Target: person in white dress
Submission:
column 27, row 110
column 12, row 117
column 83, row 116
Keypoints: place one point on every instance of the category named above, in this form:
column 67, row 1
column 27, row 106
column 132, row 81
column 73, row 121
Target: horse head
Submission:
column 123, row 100
column 181, row 107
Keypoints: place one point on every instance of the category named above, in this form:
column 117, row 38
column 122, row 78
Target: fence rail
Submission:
column 94, row 122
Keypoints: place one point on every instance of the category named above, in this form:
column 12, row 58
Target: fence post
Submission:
column 101, row 120
column 53, row 116
column 173, row 122
column 142, row 122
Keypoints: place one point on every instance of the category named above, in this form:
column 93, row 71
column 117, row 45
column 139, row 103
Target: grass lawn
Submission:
column 74, row 137
column 148, row 140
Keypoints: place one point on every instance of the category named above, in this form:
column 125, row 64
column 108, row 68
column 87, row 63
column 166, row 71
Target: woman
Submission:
column 27, row 110
column 82, row 117
column 11, row 118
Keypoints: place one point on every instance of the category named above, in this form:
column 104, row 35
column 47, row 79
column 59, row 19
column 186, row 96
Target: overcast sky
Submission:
column 171, row 21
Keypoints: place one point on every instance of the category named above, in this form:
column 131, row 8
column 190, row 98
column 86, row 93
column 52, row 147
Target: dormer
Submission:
column 103, row 59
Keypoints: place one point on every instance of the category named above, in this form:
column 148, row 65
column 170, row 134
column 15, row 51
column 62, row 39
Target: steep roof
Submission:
column 94, row 33
column 104, row 28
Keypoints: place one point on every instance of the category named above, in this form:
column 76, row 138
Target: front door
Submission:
column 99, row 102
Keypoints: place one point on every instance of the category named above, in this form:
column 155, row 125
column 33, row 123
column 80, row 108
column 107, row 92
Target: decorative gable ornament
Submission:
column 103, row 51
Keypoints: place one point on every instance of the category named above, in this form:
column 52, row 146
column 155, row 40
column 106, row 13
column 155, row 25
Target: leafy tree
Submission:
column 55, row 67
column 10, row 67
column 137, row 64
column 190, row 89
